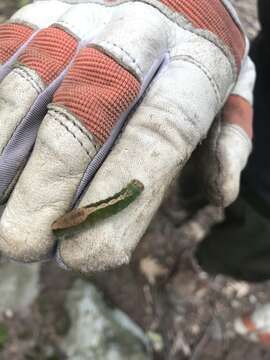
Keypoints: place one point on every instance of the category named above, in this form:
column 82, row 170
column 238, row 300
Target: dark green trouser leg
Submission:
column 240, row 247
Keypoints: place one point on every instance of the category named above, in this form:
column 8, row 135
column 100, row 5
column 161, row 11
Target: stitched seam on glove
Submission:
column 239, row 131
column 68, row 27
column 60, row 122
column 182, row 20
column 59, row 112
column 218, row 21
column 193, row 61
column 97, row 90
column 25, row 74
column 23, row 23
column 132, row 60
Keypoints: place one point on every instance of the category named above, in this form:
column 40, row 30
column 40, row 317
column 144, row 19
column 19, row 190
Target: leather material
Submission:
column 18, row 91
column 61, row 153
column 40, row 14
column 92, row 17
column 246, row 81
column 221, row 160
column 128, row 31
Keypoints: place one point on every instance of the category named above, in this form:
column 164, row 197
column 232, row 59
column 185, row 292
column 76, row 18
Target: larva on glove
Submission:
column 106, row 92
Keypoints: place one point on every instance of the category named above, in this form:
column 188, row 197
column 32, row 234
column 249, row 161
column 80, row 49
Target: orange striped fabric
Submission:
column 97, row 90
column 213, row 16
column 12, row 37
column 49, row 53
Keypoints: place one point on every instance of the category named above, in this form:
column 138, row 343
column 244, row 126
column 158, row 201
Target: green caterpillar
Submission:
column 80, row 219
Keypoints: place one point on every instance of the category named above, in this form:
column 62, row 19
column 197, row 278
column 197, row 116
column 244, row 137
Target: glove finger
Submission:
column 27, row 90
column 224, row 154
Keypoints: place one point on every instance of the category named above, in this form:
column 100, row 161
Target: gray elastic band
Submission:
column 21, row 143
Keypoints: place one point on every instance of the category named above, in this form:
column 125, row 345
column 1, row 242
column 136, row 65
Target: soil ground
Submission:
column 188, row 314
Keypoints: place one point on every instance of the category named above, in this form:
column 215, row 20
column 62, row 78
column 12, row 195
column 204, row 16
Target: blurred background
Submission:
column 162, row 306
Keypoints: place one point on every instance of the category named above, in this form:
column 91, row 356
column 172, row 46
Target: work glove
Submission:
column 96, row 94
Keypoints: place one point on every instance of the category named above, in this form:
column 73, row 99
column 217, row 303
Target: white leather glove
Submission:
column 93, row 65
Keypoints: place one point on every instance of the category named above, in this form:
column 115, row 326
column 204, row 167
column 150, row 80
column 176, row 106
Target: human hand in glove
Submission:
column 73, row 74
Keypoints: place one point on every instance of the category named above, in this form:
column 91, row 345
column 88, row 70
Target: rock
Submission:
column 99, row 332
column 19, row 286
